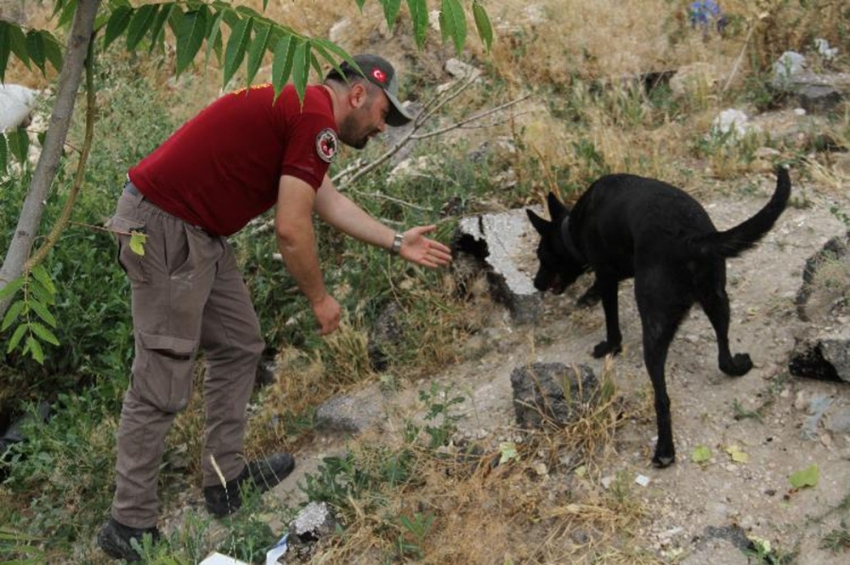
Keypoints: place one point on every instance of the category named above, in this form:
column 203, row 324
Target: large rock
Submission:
column 504, row 244
column 823, row 301
column 551, row 393
column 815, row 92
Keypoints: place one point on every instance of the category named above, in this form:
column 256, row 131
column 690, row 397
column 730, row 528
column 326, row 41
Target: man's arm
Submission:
column 297, row 244
column 343, row 214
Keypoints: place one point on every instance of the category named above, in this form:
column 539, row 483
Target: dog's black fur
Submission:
column 628, row 226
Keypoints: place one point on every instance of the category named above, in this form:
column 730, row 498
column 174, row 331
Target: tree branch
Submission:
column 79, row 176
column 48, row 162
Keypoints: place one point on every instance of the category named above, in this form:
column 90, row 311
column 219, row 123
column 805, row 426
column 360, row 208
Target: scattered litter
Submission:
column 824, row 50
column 16, row 104
column 702, row 13
column 275, row 553
column 817, row 407
column 217, row 558
column 642, row 480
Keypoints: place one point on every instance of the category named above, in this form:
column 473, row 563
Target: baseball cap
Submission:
column 379, row 72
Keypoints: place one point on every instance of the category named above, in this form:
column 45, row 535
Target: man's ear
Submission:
column 358, row 94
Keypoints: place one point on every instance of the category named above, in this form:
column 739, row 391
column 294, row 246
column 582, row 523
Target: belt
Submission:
column 130, row 188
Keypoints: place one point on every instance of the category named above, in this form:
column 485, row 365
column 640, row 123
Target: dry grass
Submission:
column 546, row 505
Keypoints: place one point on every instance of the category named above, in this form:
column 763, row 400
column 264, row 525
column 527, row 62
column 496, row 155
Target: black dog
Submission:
column 628, row 226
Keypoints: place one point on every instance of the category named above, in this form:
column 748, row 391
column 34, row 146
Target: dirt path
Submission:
column 698, row 513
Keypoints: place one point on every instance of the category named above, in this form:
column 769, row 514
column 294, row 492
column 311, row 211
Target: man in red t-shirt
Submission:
column 237, row 158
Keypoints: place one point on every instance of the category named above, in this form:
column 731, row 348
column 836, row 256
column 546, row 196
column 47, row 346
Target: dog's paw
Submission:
column 603, row 348
column 739, row 365
column 661, row 461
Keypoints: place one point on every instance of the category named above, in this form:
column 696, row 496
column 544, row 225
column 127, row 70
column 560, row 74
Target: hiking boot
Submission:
column 114, row 539
column 261, row 475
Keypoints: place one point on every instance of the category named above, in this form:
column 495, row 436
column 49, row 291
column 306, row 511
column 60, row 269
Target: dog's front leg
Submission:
column 607, row 290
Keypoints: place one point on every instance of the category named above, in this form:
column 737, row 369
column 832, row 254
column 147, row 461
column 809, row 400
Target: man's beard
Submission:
column 349, row 134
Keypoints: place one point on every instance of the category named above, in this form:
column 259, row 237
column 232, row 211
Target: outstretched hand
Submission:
column 418, row 249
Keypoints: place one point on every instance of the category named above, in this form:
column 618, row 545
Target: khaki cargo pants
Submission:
column 187, row 294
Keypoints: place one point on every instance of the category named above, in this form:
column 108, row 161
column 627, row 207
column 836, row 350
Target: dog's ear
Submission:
column 542, row 226
column 556, row 209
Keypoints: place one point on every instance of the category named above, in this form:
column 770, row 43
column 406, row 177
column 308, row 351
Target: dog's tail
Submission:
column 735, row 241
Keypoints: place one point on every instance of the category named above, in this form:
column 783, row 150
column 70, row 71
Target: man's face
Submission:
column 365, row 121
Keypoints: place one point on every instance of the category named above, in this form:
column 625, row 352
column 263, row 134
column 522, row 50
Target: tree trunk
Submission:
column 48, row 163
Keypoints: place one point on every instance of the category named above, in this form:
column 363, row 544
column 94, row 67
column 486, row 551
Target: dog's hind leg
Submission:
column 658, row 331
column 715, row 303
column 607, row 290
column 660, row 316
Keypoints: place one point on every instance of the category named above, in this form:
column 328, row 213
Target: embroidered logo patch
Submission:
column 327, row 145
column 379, row 75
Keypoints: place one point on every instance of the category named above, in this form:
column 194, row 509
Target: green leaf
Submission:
column 41, row 310
column 300, row 68
column 284, row 52
column 235, row 51
column 19, row 144
column 35, row 350
column 44, row 334
column 451, row 15
column 137, row 242
column 257, row 50
column 508, row 452
column 140, row 23
column 701, row 454
column 40, row 293
column 12, row 314
column 11, row 288
column 118, row 22
column 53, row 50
column 360, row 4
column 214, row 36
column 40, row 274
column 391, row 8
column 332, row 53
column 66, row 14
column 193, row 29
column 419, row 16
column 737, row 455
column 18, row 44
column 36, row 49
column 16, row 338
column 482, row 23
column 5, row 47
column 4, row 154
column 806, row 478
column 158, row 28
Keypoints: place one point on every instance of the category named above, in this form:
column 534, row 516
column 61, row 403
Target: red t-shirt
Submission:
column 223, row 167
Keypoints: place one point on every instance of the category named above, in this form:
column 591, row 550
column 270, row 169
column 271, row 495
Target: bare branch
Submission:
column 472, row 118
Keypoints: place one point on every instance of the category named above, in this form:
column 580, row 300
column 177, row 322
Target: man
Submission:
column 237, row 158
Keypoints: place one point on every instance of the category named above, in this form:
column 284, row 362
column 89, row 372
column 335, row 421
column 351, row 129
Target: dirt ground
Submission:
column 697, row 513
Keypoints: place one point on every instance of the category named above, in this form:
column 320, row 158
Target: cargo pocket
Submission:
column 163, row 369
column 132, row 262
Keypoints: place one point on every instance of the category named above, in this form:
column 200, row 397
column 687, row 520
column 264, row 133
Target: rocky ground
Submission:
column 697, row 512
